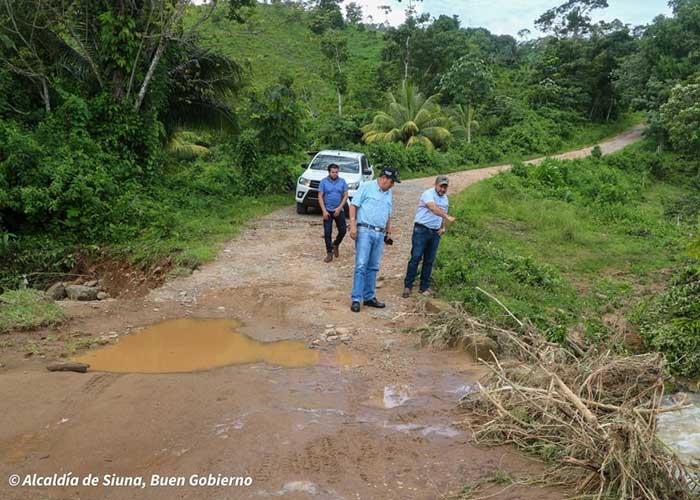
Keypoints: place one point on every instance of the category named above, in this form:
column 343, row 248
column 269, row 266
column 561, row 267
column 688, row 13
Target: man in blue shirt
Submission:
column 428, row 227
column 370, row 227
column 332, row 196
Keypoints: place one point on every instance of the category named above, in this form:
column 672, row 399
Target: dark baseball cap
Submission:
column 390, row 173
column 442, row 180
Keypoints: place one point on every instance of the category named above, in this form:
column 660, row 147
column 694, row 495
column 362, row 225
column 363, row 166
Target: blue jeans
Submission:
column 425, row 243
column 368, row 255
column 328, row 229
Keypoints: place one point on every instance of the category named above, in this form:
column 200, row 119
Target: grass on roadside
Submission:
column 198, row 230
column 25, row 309
column 563, row 243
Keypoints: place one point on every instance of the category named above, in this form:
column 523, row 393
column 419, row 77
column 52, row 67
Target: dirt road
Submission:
column 373, row 419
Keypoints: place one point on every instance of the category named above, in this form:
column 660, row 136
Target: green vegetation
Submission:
column 566, row 242
column 25, row 309
column 670, row 323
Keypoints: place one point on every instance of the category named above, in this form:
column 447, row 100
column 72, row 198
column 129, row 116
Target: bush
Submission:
column 670, row 323
column 337, row 132
column 51, row 185
column 40, row 257
column 412, row 160
column 480, row 151
column 65, row 174
column 680, row 117
column 535, row 134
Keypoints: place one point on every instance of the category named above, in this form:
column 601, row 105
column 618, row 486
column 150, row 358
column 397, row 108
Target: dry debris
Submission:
column 589, row 413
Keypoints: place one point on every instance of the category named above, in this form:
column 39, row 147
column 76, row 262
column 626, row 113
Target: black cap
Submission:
column 390, row 173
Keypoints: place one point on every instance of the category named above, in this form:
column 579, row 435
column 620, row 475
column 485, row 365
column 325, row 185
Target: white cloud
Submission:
column 508, row 17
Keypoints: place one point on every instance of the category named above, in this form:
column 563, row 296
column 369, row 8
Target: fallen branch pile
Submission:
column 590, row 414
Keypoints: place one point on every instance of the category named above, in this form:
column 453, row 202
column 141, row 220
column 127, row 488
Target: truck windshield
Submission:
column 347, row 165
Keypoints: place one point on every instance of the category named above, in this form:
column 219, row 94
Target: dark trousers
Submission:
column 425, row 243
column 328, row 229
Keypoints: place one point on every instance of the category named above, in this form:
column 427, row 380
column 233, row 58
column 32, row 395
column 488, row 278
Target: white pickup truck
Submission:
column 353, row 167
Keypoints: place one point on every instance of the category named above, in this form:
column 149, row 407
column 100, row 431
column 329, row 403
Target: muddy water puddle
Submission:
column 681, row 429
column 188, row 345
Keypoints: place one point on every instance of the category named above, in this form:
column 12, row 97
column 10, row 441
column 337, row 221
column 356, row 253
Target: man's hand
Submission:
column 336, row 212
column 325, row 214
column 441, row 231
column 450, row 219
column 353, row 232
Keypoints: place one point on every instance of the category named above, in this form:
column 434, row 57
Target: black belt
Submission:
column 426, row 227
column 370, row 226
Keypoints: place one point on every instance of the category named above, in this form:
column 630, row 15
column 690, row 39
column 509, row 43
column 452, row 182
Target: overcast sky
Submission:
column 508, row 17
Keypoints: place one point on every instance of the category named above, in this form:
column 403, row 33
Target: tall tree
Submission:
column 326, row 15
column 277, row 116
column 353, row 13
column 571, row 18
column 681, row 118
column 334, row 47
column 468, row 83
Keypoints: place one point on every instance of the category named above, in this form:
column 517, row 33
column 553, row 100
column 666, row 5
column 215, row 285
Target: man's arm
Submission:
column 432, row 206
column 342, row 203
column 388, row 225
column 322, row 205
column 353, row 221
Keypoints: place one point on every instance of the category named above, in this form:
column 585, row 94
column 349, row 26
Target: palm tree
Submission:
column 202, row 84
column 410, row 119
column 184, row 145
column 464, row 122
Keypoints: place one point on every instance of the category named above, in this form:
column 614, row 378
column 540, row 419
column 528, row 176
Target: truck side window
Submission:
column 365, row 165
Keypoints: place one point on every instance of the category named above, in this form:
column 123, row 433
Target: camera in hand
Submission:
column 388, row 240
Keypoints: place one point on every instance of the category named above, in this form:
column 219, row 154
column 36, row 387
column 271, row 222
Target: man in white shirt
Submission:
column 429, row 225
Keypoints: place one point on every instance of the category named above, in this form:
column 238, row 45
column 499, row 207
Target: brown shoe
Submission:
column 336, row 251
column 406, row 293
column 328, row 258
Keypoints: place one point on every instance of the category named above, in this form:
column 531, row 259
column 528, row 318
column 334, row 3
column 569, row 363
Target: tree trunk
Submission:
column 45, row 95
column 408, row 58
column 165, row 34
column 470, row 119
column 149, row 74
column 612, row 101
column 340, row 97
column 118, row 84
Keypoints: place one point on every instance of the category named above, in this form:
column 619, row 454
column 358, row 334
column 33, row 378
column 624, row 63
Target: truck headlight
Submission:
column 304, row 181
column 353, row 185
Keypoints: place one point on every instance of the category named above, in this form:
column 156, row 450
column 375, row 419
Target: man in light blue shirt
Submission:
column 428, row 226
column 370, row 227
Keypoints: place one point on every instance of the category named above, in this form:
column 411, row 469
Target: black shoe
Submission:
column 374, row 303
column 355, row 307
